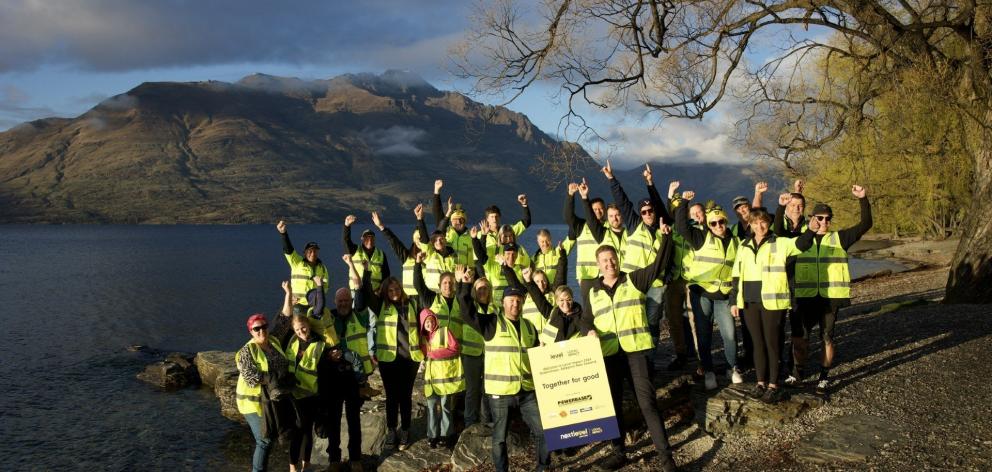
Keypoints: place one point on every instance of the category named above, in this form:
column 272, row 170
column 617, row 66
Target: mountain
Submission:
column 270, row 147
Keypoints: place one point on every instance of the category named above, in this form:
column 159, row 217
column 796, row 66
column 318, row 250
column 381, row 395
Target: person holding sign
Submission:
column 508, row 381
column 617, row 310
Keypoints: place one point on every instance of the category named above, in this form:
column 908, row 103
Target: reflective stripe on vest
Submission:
column 712, row 266
column 550, row 332
column 507, row 367
column 305, row 367
column 443, row 376
column 375, row 265
column 408, row 288
column 385, row 334
column 683, row 257
column 462, row 244
column 301, row 276
column 768, row 266
column 823, row 269
column 357, row 340
column 620, row 321
column 530, row 312
column 586, row 267
column 434, row 266
column 249, row 399
column 642, row 247
column 472, row 342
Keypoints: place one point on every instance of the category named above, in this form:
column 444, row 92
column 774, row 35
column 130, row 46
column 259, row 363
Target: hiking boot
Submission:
column 734, row 376
column 404, row 440
column 392, row 439
column 709, row 380
column 792, row 381
column 822, row 387
column 757, row 391
column 677, row 364
column 771, row 396
column 433, row 442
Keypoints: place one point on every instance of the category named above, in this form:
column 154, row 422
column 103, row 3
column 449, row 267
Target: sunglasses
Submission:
column 647, row 212
column 718, row 223
column 259, row 328
column 823, row 218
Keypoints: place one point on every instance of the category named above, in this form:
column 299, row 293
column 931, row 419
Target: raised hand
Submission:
column 281, row 227
column 347, row 259
column 350, row 220
column 688, row 195
column 377, row 220
column 285, row 286
column 607, row 170
column 522, row 199
column 761, row 187
column 798, row 186
column 584, row 189
column 664, row 229
column 468, row 276
column 673, row 186
column 418, row 211
column 437, row 186
column 419, row 258
column 318, row 280
column 572, row 188
column 473, row 231
column 459, row 272
column 858, row 191
column 814, row 224
column 451, row 206
column 648, row 178
column 527, row 273
column 783, row 199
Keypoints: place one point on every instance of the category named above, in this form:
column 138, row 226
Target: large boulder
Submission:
column 212, row 364
column 474, row 446
column 732, row 411
column 845, row 439
column 373, row 419
column 419, row 456
column 175, row 372
column 225, row 386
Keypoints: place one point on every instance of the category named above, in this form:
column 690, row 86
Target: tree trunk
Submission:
column 970, row 280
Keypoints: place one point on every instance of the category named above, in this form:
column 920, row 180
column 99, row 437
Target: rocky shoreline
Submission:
column 909, row 391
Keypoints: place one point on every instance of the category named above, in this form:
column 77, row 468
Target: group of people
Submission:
column 471, row 301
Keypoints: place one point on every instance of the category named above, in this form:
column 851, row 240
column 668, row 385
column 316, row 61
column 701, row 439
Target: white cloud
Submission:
column 395, row 140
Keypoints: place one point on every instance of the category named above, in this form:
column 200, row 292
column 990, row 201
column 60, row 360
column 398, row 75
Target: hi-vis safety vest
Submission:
column 621, row 321
column 822, row 270
column 448, row 317
column 642, row 247
column 472, row 342
column 385, row 333
column 249, row 399
column 408, row 287
column 586, row 267
column 323, row 325
column 442, row 376
column 434, row 266
column 491, row 238
column 462, row 244
column 507, row 367
column 304, row 367
column 357, row 341
column 375, row 265
column 550, row 332
column 712, row 266
column 530, row 312
column 683, row 257
column 301, row 276
column 766, row 265
column 547, row 262
column 494, row 272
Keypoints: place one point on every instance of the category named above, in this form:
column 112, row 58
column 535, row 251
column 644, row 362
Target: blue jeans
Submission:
column 527, row 403
column 440, row 420
column 705, row 311
column 260, row 460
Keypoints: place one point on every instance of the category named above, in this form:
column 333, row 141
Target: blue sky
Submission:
column 61, row 57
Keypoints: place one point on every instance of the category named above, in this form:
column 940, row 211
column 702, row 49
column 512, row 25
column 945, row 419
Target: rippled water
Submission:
column 73, row 297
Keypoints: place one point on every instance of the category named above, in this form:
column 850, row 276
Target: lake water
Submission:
column 72, row 298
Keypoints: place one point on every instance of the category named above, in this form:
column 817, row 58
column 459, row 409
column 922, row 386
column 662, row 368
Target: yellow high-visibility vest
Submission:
column 507, row 367
column 621, row 321
column 823, row 270
column 249, row 399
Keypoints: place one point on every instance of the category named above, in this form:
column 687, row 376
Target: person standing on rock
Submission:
column 366, row 255
column 302, row 269
column 260, row 360
column 616, row 311
column 586, row 270
column 397, row 351
column 714, row 252
column 823, row 283
column 508, row 381
column 761, row 294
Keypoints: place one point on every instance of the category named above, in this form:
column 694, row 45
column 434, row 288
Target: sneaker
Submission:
column 404, row 440
column 710, row 380
column 734, row 376
column 677, row 364
column 771, row 396
column 392, row 439
column 822, row 387
column 792, row 381
column 433, row 442
column 757, row 391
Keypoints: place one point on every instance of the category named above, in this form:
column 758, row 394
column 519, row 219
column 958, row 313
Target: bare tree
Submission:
column 682, row 58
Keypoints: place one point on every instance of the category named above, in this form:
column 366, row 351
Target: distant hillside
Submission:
column 270, row 147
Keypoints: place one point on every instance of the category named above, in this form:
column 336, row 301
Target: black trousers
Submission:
column 342, row 394
column 634, row 366
column 397, row 379
column 302, row 443
column 765, row 327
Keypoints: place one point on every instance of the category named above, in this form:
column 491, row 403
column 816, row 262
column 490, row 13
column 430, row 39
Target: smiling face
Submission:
column 608, row 263
column 260, row 332
column 342, row 301
column 564, row 301
column 743, row 211
column 447, row 285
column 599, row 209
column 394, row 292
column 458, row 223
column 544, row 242
column 541, row 280
column 718, row 227
column 697, row 214
column 824, row 220
column 368, row 241
column 493, row 220
column 647, row 215
column 511, row 306
column 301, row 328
column 438, row 242
column 311, row 255
column 483, row 292
column 760, row 228
column 795, row 208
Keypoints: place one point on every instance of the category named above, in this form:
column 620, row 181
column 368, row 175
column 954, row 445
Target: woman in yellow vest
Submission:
column 396, row 352
column 304, row 349
column 761, row 294
column 709, row 275
column 259, row 360
column 403, row 253
column 563, row 319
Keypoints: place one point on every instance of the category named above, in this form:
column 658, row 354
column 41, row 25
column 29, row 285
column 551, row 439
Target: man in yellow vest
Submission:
column 586, row 270
column 491, row 226
column 454, row 225
column 367, row 252
column 616, row 308
column 302, row 269
column 823, row 284
column 508, row 381
column 612, row 234
column 679, row 325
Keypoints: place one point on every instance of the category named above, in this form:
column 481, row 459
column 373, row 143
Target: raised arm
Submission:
column 660, row 209
column 525, row 218
column 695, row 236
column 759, row 190
column 561, row 269
column 418, row 212
column 394, row 242
column 287, row 246
column 630, row 217
column 568, row 211
column 436, row 209
column 851, row 235
column 535, row 294
column 349, row 246
column 778, row 224
column 287, row 303
column 426, row 295
column 485, row 324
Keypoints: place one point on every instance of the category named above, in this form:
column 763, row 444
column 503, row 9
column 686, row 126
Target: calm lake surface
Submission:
column 72, row 298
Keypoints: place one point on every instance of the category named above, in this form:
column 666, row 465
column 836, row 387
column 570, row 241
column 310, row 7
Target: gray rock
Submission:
column 732, row 411
column 175, row 372
column 673, row 395
column 474, row 446
column 225, row 386
column 373, row 434
column 848, row 438
column 418, row 456
column 211, row 364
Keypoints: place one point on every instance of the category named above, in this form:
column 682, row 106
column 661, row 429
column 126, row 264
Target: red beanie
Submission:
column 256, row 317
